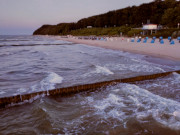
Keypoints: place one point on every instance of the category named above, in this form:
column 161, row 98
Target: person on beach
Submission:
column 122, row 39
column 170, row 39
column 140, row 38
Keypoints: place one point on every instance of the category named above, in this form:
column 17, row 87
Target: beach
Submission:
column 156, row 49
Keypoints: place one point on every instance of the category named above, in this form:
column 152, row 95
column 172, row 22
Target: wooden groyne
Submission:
column 75, row 89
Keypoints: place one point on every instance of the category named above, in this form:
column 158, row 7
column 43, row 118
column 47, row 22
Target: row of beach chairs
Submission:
column 172, row 42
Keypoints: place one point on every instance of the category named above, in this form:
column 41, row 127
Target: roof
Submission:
column 149, row 27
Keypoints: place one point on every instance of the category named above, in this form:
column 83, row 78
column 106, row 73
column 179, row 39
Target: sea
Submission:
column 30, row 64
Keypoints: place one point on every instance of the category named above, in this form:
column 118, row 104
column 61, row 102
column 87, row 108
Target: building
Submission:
column 149, row 29
column 89, row 27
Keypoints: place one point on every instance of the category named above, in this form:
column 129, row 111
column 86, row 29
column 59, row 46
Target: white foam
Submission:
column 116, row 114
column 103, row 70
column 34, row 88
column 102, row 106
column 90, row 99
column 177, row 114
column 99, row 70
column 132, row 101
column 27, row 101
column 153, row 105
column 47, row 83
column 50, row 81
column 21, row 90
column 54, row 78
column 177, row 76
column 2, row 92
column 138, row 67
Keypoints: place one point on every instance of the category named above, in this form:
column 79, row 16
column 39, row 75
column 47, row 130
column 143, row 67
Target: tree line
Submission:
column 166, row 13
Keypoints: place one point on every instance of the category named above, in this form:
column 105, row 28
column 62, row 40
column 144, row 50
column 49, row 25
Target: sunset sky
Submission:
column 24, row 16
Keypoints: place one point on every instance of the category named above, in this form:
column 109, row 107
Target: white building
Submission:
column 152, row 28
column 89, row 27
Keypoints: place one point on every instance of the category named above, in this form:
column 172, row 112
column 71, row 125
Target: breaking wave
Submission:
column 99, row 70
column 137, row 67
column 17, row 45
column 129, row 100
column 47, row 83
column 50, row 81
column 103, row 70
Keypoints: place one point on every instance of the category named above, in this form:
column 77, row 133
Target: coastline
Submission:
column 166, row 51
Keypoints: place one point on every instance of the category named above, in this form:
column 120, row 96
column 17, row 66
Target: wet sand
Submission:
column 156, row 49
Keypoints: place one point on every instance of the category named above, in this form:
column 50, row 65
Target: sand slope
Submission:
column 158, row 50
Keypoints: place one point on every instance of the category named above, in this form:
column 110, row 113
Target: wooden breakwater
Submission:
column 75, row 89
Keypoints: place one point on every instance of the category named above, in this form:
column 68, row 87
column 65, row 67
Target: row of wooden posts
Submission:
column 75, row 89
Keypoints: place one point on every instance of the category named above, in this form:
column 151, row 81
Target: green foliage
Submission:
column 47, row 29
column 124, row 30
column 176, row 34
column 171, row 17
column 134, row 32
column 165, row 33
column 96, row 31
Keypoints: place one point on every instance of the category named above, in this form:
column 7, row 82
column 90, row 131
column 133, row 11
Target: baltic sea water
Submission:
column 34, row 63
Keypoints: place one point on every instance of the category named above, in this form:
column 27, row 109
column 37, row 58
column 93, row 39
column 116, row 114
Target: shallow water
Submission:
column 36, row 63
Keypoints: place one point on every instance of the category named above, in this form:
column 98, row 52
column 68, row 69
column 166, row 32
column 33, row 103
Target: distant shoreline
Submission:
column 167, row 51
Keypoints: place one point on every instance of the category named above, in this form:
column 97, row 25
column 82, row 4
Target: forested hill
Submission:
column 159, row 12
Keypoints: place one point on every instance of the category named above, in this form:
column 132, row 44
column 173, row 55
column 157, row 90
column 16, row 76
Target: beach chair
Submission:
column 162, row 41
column 138, row 40
column 169, row 38
column 172, row 42
column 152, row 41
column 178, row 38
column 145, row 41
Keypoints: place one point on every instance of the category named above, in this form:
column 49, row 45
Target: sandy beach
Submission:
column 156, row 49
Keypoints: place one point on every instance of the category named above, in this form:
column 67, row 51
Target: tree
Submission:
column 168, row 17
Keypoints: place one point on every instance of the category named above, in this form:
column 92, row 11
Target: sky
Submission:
column 19, row 17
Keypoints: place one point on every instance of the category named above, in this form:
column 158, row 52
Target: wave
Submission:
column 7, row 53
column 21, row 90
column 24, row 45
column 45, row 84
column 137, row 67
column 2, row 92
column 49, row 82
column 161, row 109
column 128, row 100
column 15, row 40
column 99, row 70
column 103, row 70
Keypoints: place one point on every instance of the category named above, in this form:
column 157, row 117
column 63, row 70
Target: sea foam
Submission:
column 130, row 100
column 50, row 81
column 47, row 83
column 99, row 70
column 103, row 70
column 2, row 92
